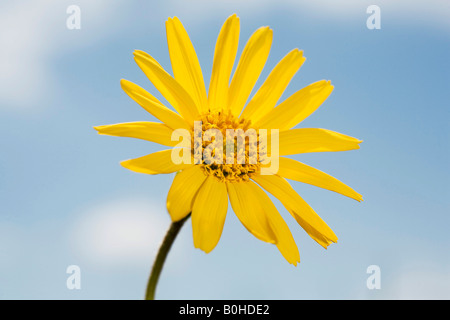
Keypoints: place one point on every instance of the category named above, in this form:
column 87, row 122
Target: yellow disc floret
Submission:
column 226, row 147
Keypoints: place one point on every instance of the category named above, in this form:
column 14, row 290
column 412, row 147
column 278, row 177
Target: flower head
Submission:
column 211, row 166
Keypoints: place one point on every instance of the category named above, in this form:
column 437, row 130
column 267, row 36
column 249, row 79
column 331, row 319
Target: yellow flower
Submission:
column 203, row 188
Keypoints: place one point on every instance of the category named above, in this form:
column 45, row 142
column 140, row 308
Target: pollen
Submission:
column 226, row 147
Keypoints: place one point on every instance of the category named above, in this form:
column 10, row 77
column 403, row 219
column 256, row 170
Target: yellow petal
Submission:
column 167, row 86
column 185, row 65
column 285, row 241
column 153, row 106
column 306, row 140
column 224, row 56
column 150, row 131
column 297, row 107
column 208, row 214
column 182, row 193
column 249, row 68
column 147, row 56
column 155, row 163
column 247, row 208
column 294, row 170
column 270, row 92
column 300, row 210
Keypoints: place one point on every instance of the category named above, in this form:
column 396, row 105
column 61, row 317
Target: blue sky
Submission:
column 65, row 200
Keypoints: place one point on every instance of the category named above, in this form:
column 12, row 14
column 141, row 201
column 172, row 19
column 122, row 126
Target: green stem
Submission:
column 161, row 257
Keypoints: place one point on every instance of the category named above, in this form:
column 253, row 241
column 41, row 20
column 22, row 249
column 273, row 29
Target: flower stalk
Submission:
column 161, row 257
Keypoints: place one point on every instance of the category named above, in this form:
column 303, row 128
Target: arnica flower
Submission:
column 203, row 188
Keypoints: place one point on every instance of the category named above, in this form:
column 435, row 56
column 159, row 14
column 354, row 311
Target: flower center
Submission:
column 226, row 147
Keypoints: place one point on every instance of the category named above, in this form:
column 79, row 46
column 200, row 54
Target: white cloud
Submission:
column 119, row 233
column 431, row 12
column 422, row 285
column 31, row 33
